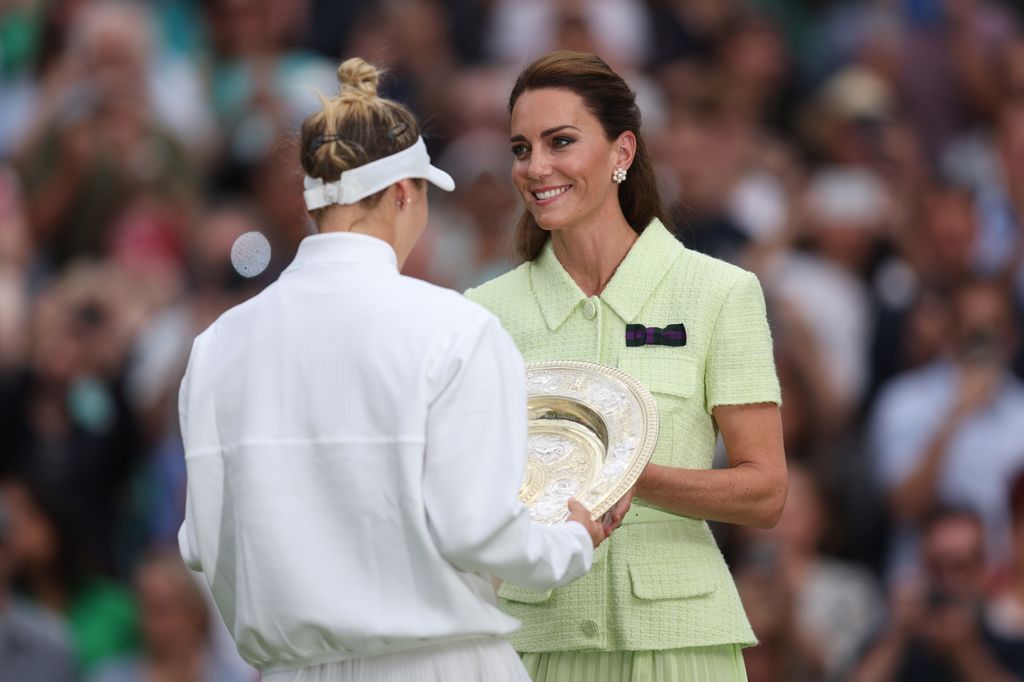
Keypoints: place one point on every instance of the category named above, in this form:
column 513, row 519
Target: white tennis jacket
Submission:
column 354, row 441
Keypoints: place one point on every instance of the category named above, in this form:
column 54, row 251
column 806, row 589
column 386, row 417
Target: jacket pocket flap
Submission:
column 661, row 370
column 656, row 581
column 522, row 594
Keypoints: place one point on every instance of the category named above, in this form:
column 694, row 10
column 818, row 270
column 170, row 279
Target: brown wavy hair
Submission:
column 613, row 104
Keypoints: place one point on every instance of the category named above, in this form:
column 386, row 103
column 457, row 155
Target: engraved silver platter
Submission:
column 591, row 431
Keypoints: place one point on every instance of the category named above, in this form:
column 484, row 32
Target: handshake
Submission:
column 601, row 529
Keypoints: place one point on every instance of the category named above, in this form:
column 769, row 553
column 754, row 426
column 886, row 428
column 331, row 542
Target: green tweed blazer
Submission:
column 660, row 581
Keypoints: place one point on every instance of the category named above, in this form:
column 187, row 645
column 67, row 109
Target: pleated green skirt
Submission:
column 695, row 664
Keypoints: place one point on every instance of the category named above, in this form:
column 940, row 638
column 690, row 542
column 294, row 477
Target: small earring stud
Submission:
column 619, row 176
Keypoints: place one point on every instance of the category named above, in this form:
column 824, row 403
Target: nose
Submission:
column 539, row 166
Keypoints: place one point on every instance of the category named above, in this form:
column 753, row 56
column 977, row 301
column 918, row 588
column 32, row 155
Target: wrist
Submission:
column 643, row 484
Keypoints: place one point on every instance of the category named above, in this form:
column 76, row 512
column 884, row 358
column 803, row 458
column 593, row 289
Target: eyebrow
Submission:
column 545, row 133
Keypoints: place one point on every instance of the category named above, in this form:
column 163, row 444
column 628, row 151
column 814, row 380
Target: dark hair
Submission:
column 613, row 103
column 941, row 513
column 72, row 563
column 354, row 128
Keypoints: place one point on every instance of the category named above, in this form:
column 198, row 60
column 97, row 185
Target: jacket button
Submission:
column 589, row 627
column 589, row 309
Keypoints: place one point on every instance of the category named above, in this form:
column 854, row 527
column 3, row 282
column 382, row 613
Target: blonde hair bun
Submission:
column 357, row 75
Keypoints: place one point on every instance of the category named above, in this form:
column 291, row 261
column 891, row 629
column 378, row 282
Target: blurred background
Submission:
column 865, row 159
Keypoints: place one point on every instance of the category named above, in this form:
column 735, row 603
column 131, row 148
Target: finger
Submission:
column 577, row 508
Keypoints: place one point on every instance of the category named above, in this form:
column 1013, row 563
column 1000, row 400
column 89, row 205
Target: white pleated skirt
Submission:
column 489, row 659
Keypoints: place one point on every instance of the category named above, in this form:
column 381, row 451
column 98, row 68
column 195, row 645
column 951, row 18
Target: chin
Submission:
column 548, row 225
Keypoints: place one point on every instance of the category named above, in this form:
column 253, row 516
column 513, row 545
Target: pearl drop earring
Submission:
column 619, row 176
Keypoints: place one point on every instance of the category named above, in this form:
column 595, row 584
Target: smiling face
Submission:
column 564, row 161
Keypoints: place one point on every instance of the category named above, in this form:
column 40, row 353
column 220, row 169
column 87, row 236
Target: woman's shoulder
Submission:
column 711, row 271
column 503, row 289
column 685, row 263
column 709, row 285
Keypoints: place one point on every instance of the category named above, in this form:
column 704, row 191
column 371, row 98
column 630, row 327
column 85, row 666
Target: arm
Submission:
column 742, row 394
column 882, row 660
column 911, row 498
column 51, row 186
column 751, row 491
column 475, row 456
column 204, row 492
column 954, row 632
column 975, row 71
column 187, row 543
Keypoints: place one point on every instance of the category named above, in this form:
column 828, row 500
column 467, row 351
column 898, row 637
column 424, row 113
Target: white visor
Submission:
column 359, row 183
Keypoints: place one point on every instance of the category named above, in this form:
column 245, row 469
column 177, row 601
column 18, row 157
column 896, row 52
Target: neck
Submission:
column 591, row 256
column 369, row 225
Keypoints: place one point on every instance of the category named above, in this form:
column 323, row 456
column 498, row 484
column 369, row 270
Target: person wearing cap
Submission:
column 355, row 438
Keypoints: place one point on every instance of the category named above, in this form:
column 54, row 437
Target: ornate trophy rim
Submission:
column 631, row 423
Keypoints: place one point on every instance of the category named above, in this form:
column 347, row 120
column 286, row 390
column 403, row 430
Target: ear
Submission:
column 403, row 192
column 625, row 149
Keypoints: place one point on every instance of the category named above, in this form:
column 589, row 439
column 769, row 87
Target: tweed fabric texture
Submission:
column 662, row 584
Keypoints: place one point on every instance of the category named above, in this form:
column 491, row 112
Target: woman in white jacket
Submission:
column 355, row 438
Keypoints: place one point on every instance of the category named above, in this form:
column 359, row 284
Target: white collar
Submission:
column 343, row 247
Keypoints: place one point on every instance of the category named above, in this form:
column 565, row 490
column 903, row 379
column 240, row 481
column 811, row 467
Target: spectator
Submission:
column 175, row 623
column 935, row 632
column 64, row 417
column 100, row 143
column 835, row 604
column 34, row 645
column 846, row 210
column 949, row 432
column 1004, row 611
column 147, row 137
column 260, row 80
column 51, row 570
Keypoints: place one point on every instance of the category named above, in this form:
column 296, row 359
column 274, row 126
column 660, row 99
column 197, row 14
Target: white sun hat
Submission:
column 359, row 183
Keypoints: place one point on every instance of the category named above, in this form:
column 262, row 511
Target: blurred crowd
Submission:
column 865, row 159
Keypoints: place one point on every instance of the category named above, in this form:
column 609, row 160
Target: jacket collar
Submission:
column 343, row 247
column 643, row 268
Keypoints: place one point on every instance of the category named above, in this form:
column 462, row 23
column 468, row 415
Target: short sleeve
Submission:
column 740, row 368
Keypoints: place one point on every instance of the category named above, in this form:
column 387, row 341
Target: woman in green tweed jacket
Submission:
column 604, row 281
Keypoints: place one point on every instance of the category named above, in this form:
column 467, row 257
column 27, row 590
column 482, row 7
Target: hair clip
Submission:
column 320, row 140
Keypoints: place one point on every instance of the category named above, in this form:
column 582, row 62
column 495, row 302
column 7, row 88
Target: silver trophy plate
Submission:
column 591, row 431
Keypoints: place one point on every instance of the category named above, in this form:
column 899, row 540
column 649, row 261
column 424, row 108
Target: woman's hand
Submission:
column 581, row 515
column 613, row 517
